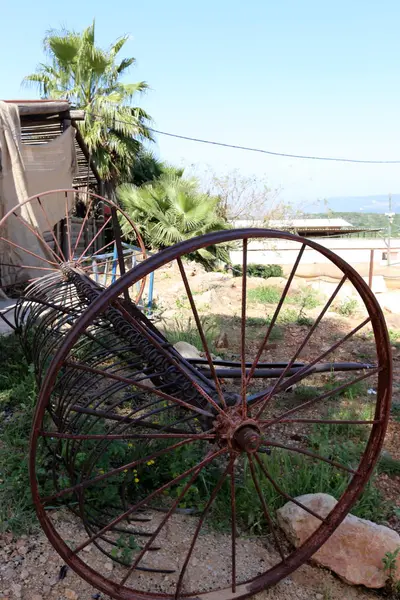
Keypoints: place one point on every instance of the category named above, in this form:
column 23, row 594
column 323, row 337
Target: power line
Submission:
column 262, row 151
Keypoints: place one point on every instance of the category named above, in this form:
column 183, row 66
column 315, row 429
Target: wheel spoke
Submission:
column 146, row 500
column 307, row 369
column 324, row 396
column 265, row 507
column 276, row 314
column 94, row 238
column 322, row 421
column 85, row 219
column 243, row 381
column 233, row 524
column 42, row 241
column 300, row 348
column 50, row 262
column 69, row 232
column 333, row 463
column 201, row 331
column 89, row 482
column 283, row 493
column 51, row 229
column 173, row 361
column 163, row 522
column 198, row 528
column 146, row 388
column 127, row 436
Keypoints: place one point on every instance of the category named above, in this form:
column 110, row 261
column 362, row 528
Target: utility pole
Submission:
column 390, row 216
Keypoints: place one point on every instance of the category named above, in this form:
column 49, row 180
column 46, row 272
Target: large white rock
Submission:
column 187, row 350
column 355, row 549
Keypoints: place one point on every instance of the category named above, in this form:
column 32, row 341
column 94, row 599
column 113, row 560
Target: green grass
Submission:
column 267, row 294
column 17, row 400
column 182, row 330
column 305, row 297
column 261, row 323
column 394, row 336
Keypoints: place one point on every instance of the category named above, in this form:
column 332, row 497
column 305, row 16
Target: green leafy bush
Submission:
column 255, row 270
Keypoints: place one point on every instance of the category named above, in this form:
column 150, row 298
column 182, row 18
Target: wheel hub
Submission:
column 240, row 434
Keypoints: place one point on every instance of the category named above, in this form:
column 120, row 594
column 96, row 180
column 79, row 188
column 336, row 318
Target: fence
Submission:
column 105, row 267
column 369, row 257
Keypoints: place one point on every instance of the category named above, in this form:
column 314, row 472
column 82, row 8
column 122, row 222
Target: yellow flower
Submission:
column 130, row 445
column 101, row 471
column 137, row 480
column 125, row 470
column 150, row 462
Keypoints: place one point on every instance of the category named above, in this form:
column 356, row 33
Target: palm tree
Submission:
column 90, row 78
column 170, row 210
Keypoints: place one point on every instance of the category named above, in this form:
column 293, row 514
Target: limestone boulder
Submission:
column 187, row 350
column 355, row 549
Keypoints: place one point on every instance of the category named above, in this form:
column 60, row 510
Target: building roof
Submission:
column 307, row 227
column 43, row 121
column 296, row 223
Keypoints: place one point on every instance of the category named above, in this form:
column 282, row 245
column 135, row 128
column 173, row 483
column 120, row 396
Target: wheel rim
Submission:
column 238, row 430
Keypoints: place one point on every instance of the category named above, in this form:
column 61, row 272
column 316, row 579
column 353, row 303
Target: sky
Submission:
column 314, row 77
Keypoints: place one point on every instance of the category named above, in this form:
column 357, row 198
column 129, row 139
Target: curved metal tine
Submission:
column 69, row 232
column 94, row 238
column 89, row 482
column 276, row 313
column 333, row 463
column 302, row 345
column 233, row 522
column 307, row 369
column 243, row 380
column 130, row 381
column 78, row 239
column 36, row 234
column 265, row 507
column 200, row 330
column 199, row 526
column 325, row 395
column 50, row 262
column 163, row 522
column 146, row 500
column 51, row 229
column 166, row 354
column 282, row 492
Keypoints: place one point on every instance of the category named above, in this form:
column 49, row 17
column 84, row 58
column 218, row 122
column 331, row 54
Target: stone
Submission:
column 17, row 589
column 108, row 566
column 37, row 597
column 24, row 574
column 187, row 350
column 222, row 340
column 355, row 549
column 70, row 594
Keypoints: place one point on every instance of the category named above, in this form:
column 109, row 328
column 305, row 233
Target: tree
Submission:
column 170, row 210
column 90, row 78
column 246, row 197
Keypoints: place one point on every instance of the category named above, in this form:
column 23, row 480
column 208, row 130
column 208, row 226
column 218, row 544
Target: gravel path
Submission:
column 30, row 569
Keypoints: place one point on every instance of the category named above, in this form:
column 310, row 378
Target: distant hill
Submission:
column 363, row 204
column 361, row 219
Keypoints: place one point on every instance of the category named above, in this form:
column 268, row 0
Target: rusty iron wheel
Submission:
column 132, row 428
column 39, row 249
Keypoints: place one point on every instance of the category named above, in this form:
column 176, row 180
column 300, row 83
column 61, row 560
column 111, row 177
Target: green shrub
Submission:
column 255, row 270
column 346, row 307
